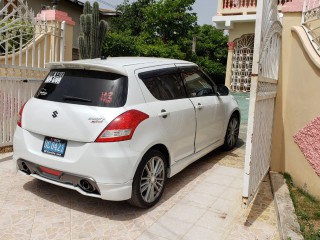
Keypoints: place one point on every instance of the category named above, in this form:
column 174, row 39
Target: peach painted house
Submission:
column 296, row 124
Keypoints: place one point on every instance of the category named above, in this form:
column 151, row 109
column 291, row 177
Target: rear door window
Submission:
column 165, row 87
column 84, row 87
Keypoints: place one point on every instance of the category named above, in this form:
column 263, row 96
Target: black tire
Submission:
column 232, row 133
column 148, row 184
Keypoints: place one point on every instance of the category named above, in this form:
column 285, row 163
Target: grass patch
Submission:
column 307, row 210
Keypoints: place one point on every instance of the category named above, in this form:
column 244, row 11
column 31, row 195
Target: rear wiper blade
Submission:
column 72, row 98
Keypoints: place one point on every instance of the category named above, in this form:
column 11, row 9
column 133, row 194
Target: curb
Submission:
column 289, row 227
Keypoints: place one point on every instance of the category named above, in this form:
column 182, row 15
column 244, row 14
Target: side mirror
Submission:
column 223, row 90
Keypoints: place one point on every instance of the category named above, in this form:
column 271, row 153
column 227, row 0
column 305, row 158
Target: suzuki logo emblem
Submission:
column 55, row 114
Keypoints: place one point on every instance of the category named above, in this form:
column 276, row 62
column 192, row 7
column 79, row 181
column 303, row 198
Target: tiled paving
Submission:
column 201, row 202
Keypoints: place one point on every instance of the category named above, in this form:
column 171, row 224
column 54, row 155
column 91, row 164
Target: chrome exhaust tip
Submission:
column 86, row 186
column 25, row 168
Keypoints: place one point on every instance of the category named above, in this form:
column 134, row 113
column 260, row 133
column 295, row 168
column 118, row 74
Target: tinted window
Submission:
column 84, row 87
column 165, row 87
column 197, row 84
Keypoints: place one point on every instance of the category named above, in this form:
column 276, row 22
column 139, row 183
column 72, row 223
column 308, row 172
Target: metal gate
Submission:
column 263, row 92
column 27, row 43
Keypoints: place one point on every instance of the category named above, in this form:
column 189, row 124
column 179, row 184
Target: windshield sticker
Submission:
column 106, row 97
column 54, row 77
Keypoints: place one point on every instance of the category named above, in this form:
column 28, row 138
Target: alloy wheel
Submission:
column 152, row 179
column 232, row 132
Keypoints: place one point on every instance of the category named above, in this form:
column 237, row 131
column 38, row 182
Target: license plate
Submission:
column 54, row 146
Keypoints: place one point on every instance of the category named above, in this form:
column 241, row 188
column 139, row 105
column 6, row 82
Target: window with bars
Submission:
column 242, row 63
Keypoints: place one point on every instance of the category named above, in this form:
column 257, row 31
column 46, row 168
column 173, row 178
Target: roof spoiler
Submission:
column 86, row 66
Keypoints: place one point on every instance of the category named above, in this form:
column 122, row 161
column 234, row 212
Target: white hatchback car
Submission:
column 117, row 128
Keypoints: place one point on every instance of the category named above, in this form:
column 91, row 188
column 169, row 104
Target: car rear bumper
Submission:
column 109, row 167
column 112, row 192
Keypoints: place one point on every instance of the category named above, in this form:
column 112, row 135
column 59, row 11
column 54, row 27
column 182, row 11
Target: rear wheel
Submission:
column 149, row 180
column 232, row 133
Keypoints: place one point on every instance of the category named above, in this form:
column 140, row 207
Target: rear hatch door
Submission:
column 75, row 104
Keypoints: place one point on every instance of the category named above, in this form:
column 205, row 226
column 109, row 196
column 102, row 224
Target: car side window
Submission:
column 197, row 84
column 165, row 87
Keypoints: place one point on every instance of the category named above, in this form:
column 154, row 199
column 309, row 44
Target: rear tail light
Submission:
column 19, row 121
column 122, row 127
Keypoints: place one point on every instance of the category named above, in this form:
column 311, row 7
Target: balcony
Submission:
column 232, row 11
column 242, row 7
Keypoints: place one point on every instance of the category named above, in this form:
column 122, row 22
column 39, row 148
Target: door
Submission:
column 264, row 80
column 209, row 110
column 173, row 112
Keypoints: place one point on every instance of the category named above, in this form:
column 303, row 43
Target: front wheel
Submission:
column 149, row 180
column 232, row 133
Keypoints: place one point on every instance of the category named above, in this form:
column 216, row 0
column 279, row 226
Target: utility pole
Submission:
column 194, row 44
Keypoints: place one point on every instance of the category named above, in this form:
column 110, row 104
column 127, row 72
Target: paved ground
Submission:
column 201, row 202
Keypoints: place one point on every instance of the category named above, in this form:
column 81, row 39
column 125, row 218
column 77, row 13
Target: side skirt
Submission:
column 183, row 163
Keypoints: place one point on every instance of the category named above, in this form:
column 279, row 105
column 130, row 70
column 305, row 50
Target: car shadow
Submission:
column 176, row 187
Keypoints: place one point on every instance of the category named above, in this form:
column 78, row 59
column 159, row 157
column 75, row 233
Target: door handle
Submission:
column 163, row 113
column 199, row 106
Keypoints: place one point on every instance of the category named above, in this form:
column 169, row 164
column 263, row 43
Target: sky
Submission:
column 205, row 9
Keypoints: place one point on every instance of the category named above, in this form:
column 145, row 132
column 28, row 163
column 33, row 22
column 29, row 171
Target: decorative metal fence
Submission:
column 27, row 43
column 311, row 21
column 264, row 81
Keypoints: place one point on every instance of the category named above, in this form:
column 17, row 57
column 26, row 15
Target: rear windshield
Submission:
column 84, row 87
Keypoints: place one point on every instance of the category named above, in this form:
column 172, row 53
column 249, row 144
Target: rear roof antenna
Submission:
column 103, row 57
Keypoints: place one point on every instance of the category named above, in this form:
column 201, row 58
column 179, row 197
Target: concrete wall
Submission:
column 73, row 10
column 297, row 104
column 240, row 29
column 278, row 141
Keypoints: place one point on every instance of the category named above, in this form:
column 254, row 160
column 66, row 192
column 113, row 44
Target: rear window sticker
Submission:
column 106, row 97
column 43, row 92
column 54, row 77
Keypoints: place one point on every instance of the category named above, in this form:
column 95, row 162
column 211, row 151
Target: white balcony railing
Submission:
column 311, row 10
column 311, row 22
column 234, row 4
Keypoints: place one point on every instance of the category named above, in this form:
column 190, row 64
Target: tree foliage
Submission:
column 132, row 17
column 211, row 52
column 169, row 20
column 165, row 28
column 16, row 30
column 120, row 44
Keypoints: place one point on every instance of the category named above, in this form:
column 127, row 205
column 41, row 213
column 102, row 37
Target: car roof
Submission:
column 115, row 64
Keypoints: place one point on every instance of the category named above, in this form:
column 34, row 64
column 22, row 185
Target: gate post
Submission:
column 229, row 64
column 55, row 19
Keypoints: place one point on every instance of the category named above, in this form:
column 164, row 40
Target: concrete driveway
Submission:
column 201, row 202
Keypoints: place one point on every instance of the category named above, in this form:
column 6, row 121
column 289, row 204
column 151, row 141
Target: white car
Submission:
column 117, row 128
